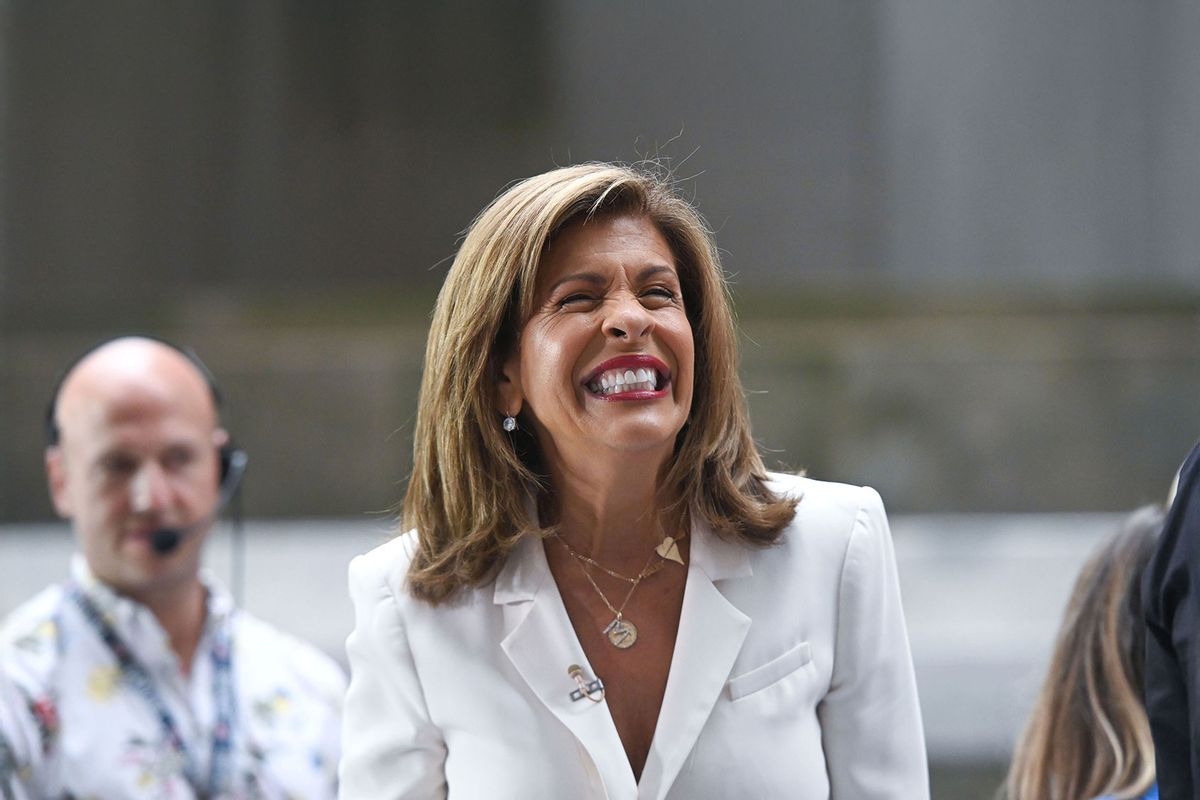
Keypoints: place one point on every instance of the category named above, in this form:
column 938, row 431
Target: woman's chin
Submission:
column 637, row 441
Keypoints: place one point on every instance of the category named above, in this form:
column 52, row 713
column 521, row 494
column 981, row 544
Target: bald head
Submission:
column 131, row 366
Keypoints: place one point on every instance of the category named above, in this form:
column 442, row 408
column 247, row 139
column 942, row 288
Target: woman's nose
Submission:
column 149, row 491
column 628, row 319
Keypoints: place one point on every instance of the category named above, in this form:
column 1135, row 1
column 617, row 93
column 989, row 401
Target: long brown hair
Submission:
column 1088, row 734
column 467, row 497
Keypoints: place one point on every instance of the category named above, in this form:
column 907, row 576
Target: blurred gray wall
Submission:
column 1043, row 143
column 963, row 234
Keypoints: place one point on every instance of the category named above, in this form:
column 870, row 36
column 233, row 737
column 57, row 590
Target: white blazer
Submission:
column 791, row 676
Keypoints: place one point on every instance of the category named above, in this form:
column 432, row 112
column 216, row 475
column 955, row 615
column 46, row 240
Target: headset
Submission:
column 233, row 460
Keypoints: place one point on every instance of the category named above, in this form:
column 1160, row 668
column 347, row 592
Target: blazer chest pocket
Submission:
column 771, row 672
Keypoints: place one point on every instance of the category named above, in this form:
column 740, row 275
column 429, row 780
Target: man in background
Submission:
column 138, row 678
column 1171, row 597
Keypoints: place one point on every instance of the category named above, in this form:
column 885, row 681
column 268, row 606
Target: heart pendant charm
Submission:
column 669, row 550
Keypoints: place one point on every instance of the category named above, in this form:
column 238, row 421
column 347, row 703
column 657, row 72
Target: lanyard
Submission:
column 140, row 681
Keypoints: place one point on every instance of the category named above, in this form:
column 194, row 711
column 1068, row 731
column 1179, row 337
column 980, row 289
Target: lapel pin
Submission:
column 593, row 690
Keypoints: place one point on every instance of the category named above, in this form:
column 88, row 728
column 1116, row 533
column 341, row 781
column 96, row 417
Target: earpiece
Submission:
column 233, row 467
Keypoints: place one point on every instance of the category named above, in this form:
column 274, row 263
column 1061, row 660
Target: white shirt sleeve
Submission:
column 390, row 747
column 871, row 706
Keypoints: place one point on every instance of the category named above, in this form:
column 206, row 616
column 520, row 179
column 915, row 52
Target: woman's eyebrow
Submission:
column 655, row 269
column 597, row 279
column 594, row 278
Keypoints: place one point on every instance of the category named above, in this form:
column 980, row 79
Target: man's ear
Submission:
column 509, row 394
column 56, row 478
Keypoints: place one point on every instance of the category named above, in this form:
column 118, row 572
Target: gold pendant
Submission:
column 669, row 550
column 621, row 633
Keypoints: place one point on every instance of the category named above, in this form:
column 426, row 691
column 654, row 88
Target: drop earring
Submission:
column 509, row 424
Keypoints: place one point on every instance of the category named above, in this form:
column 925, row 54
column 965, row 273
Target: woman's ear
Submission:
column 509, row 394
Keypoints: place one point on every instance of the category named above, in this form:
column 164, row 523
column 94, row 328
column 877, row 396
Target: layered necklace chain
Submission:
column 622, row 633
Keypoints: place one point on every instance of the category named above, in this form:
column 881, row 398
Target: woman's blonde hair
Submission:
column 468, row 494
column 1088, row 734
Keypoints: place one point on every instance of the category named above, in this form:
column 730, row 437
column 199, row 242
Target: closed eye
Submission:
column 659, row 296
column 577, row 299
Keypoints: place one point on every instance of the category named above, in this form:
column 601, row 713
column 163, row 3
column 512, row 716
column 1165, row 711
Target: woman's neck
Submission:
column 609, row 510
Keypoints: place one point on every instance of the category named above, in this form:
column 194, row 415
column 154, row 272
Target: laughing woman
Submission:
column 602, row 592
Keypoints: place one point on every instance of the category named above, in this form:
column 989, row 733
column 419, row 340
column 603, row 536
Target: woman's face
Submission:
column 605, row 361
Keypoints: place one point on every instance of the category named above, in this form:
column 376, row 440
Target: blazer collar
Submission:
column 710, row 637
column 523, row 574
column 540, row 643
column 718, row 558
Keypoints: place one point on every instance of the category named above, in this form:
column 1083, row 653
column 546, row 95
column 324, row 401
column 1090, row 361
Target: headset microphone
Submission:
column 164, row 540
column 233, row 466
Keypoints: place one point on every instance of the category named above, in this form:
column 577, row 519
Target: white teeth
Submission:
column 642, row 379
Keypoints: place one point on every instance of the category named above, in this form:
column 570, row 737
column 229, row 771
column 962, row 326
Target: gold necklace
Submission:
column 667, row 550
column 622, row 633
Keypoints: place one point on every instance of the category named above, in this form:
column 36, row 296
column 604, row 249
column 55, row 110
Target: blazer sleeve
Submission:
column 390, row 748
column 870, row 721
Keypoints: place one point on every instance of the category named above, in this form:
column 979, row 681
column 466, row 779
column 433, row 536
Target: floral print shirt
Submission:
column 78, row 721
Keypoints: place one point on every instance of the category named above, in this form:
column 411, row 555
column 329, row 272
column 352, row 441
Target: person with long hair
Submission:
column 1088, row 735
column 602, row 591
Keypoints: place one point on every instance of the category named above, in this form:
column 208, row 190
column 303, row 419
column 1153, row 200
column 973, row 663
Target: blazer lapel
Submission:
column 541, row 644
column 711, row 633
